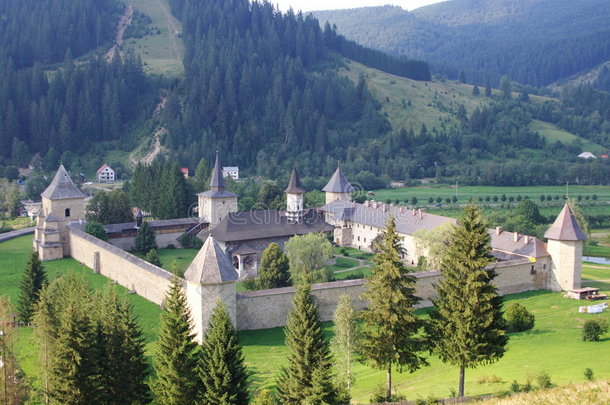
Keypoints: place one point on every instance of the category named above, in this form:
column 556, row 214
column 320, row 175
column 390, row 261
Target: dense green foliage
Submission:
column 152, row 257
column 91, row 346
column 254, row 74
column 177, row 356
column 547, row 40
column 308, row 256
column 96, row 229
column 390, row 335
column 109, row 208
column 307, row 379
column 43, row 31
column 145, row 239
column 466, row 327
column 345, row 345
column 518, row 318
column 593, row 329
column 33, row 281
column 274, row 268
column 223, row 371
column 160, row 189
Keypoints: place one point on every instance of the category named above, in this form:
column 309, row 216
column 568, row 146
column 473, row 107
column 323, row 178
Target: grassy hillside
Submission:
column 552, row 133
column 162, row 53
column 596, row 392
column 431, row 103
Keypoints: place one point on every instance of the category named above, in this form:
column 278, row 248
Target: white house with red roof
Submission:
column 105, row 174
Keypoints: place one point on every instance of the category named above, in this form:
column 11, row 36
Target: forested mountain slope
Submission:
column 536, row 42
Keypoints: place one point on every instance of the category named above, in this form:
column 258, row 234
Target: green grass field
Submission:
column 162, row 53
column 552, row 133
column 554, row 345
column 182, row 257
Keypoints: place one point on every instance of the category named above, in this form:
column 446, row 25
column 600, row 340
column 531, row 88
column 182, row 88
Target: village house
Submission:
column 231, row 171
column 105, row 174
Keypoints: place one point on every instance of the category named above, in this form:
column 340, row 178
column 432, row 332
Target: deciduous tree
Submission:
column 345, row 345
column 309, row 255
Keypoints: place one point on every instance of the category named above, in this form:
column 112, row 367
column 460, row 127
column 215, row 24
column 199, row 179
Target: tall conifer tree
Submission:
column 145, row 239
column 390, row 324
column 308, row 377
column 177, row 356
column 466, row 328
column 345, row 345
column 33, row 281
column 223, row 371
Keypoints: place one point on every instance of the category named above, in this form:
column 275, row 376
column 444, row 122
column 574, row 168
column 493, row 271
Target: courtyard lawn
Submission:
column 343, row 263
column 554, row 345
column 362, row 271
column 183, row 258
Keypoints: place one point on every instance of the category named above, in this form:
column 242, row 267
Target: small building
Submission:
column 105, row 174
column 231, row 171
column 587, row 155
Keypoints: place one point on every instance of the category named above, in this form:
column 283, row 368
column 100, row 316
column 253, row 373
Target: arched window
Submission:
column 67, row 213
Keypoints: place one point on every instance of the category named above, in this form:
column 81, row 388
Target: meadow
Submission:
column 554, row 345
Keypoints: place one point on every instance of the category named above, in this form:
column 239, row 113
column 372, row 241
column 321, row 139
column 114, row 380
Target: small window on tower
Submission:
column 533, row 270
column 67, row 212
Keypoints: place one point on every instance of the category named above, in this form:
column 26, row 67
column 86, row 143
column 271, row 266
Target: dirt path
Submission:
column 124, row 22
column 172, row 29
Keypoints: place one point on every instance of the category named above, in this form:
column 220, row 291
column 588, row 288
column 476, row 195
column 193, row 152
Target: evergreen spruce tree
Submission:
column 274, row 270
column 123, row 365
column 390, row 324
column 145, row 239
column 33, row 281
column 177, row 356
column 308, row 376
column 345, row 345
column 466, row 326
column 223, row 371
column 152, row 257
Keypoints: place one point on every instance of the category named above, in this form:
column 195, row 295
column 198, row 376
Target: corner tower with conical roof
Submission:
column 338, row 188
column 216, row 203
column 209, row 278
column 565, row 244
column 62, row 203
column 294, row 198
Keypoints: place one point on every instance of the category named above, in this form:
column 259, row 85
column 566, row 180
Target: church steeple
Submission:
column 294, row 198
column 338, row 188
column 217, row 182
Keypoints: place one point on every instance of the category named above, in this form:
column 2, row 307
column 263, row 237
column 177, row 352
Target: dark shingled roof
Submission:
column 338, row 183
column 217, row 182
column 377, row 214
column 294, row 185
column 51, row 218
column 565, row 227
column 211, row 265
column 62, row 187
column 516, row 245
column 248, row 225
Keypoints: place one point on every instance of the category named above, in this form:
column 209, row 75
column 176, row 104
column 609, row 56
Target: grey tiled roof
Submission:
column 375, row 214
column 218, row 194
column 565, row 227
column 523, row 245
column 294, row 185
column 338, row 183
column 217, row 181
column 248, row 225
column 51, row 218
column 62, row 187
column 211, row 265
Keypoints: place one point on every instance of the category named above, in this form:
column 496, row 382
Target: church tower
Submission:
column 294, row 198
column 338, row 188
column 216, row 203
column 210, row 278
column 565, row 247
column 62, row 203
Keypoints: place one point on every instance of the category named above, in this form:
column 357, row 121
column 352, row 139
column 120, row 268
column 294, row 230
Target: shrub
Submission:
column 588, row 374
column 171, row 246
column 355, row 276
column 250, row 284
column 489, row 379
column 544, row 380
column 518, row 318
column 264, row 397
column 379, row 396
column 426, row 401
column 593, row 329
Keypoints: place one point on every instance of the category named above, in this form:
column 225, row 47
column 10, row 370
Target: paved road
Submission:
column 15, row 234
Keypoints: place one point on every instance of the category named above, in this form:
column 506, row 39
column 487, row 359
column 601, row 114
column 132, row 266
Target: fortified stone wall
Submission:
column 270, row 308
column 163, row 240
column 147, row 280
